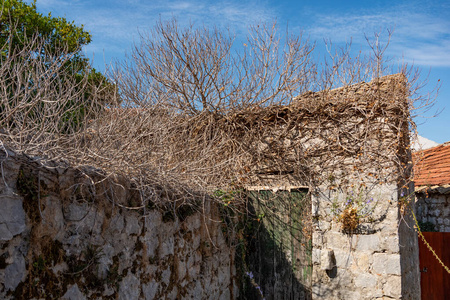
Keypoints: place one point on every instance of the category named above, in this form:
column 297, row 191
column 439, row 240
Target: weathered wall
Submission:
column 62, row 239
column 380, row 261
column 433, row 209
column 355, row 138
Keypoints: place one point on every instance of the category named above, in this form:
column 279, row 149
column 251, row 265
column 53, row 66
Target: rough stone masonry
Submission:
column 56, row 243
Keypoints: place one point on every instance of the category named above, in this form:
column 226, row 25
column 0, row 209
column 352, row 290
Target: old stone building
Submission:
column 432, row 185
column 327, row 180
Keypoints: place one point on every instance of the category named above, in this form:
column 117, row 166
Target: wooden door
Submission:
column 435, row 280
column 279, row 246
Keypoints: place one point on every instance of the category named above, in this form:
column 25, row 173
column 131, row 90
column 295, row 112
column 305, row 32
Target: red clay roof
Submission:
column 432, row 166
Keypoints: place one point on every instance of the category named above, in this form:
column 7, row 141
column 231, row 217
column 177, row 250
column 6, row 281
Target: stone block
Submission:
column 393, row 264
column 393, row 287
column 12, row 217
column 76, row 211
column 167, row 246
column 117, row 224
column 349, row 294
column 196, row 240
column 132, row 225
column 105, row 261
column 165, row 276
column 192, row 223
column 366, row 280
column 150, row 290
column 60, row 268
column 316, row 256
column 129, row 287
column 386, row 263
column 370, row 242
column 336, row 240
column 362, row 261
column 317, row 239
column 73, row 293
column 223, row 275
column 391, row 244
column 151, row 241
column 327, row 259
column 15, row 273
column 344, row 258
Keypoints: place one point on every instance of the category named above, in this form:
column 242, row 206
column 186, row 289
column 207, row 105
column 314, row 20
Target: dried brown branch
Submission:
column 199, row 113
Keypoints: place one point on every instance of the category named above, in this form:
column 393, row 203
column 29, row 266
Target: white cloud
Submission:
column 117, row 22
column 417, row 37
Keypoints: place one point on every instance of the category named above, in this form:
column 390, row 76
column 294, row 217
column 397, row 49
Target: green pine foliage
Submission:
column 50, row 38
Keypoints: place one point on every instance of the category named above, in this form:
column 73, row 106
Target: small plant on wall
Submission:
column 356, row 208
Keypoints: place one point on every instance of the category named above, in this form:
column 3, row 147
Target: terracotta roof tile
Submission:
column 432, row 166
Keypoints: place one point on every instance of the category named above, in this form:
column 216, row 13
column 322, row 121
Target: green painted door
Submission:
column 279, row 245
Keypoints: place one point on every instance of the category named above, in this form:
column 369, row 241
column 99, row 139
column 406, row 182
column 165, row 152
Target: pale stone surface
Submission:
column 366, row 280
column 105, row 261
column 167, row 246
column 132, row 225
column 150, row 290
column 348, row 294
column 392, row 244
column 15, row 273
column 327, row 259
column 370, row 242
column 363, row 261
column 129, row 288
column 117, row 224
column 12, row 217
column 73, row 293
column 316, row 254
column 392, row 287
column 344, row 258
column 393, row 264
column 165, row 276
column 386, row 263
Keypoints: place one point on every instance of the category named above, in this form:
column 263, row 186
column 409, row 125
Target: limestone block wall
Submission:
column 379, row 261
column 434, row 208
column 57, row 244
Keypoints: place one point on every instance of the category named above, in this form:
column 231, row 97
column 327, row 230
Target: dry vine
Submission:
column 195, row 116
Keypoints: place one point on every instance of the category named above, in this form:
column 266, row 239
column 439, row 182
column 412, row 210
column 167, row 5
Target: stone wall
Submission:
column 433, row 209
column 63, row 238
column 378, row 261
column 58, row 241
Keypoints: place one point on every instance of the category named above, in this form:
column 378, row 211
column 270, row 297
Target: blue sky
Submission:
column 421, row 31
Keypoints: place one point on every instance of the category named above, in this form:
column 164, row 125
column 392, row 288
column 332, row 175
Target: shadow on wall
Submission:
column 278, row 262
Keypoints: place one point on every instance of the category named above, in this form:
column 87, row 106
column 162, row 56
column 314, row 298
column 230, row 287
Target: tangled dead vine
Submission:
column 359, row 131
